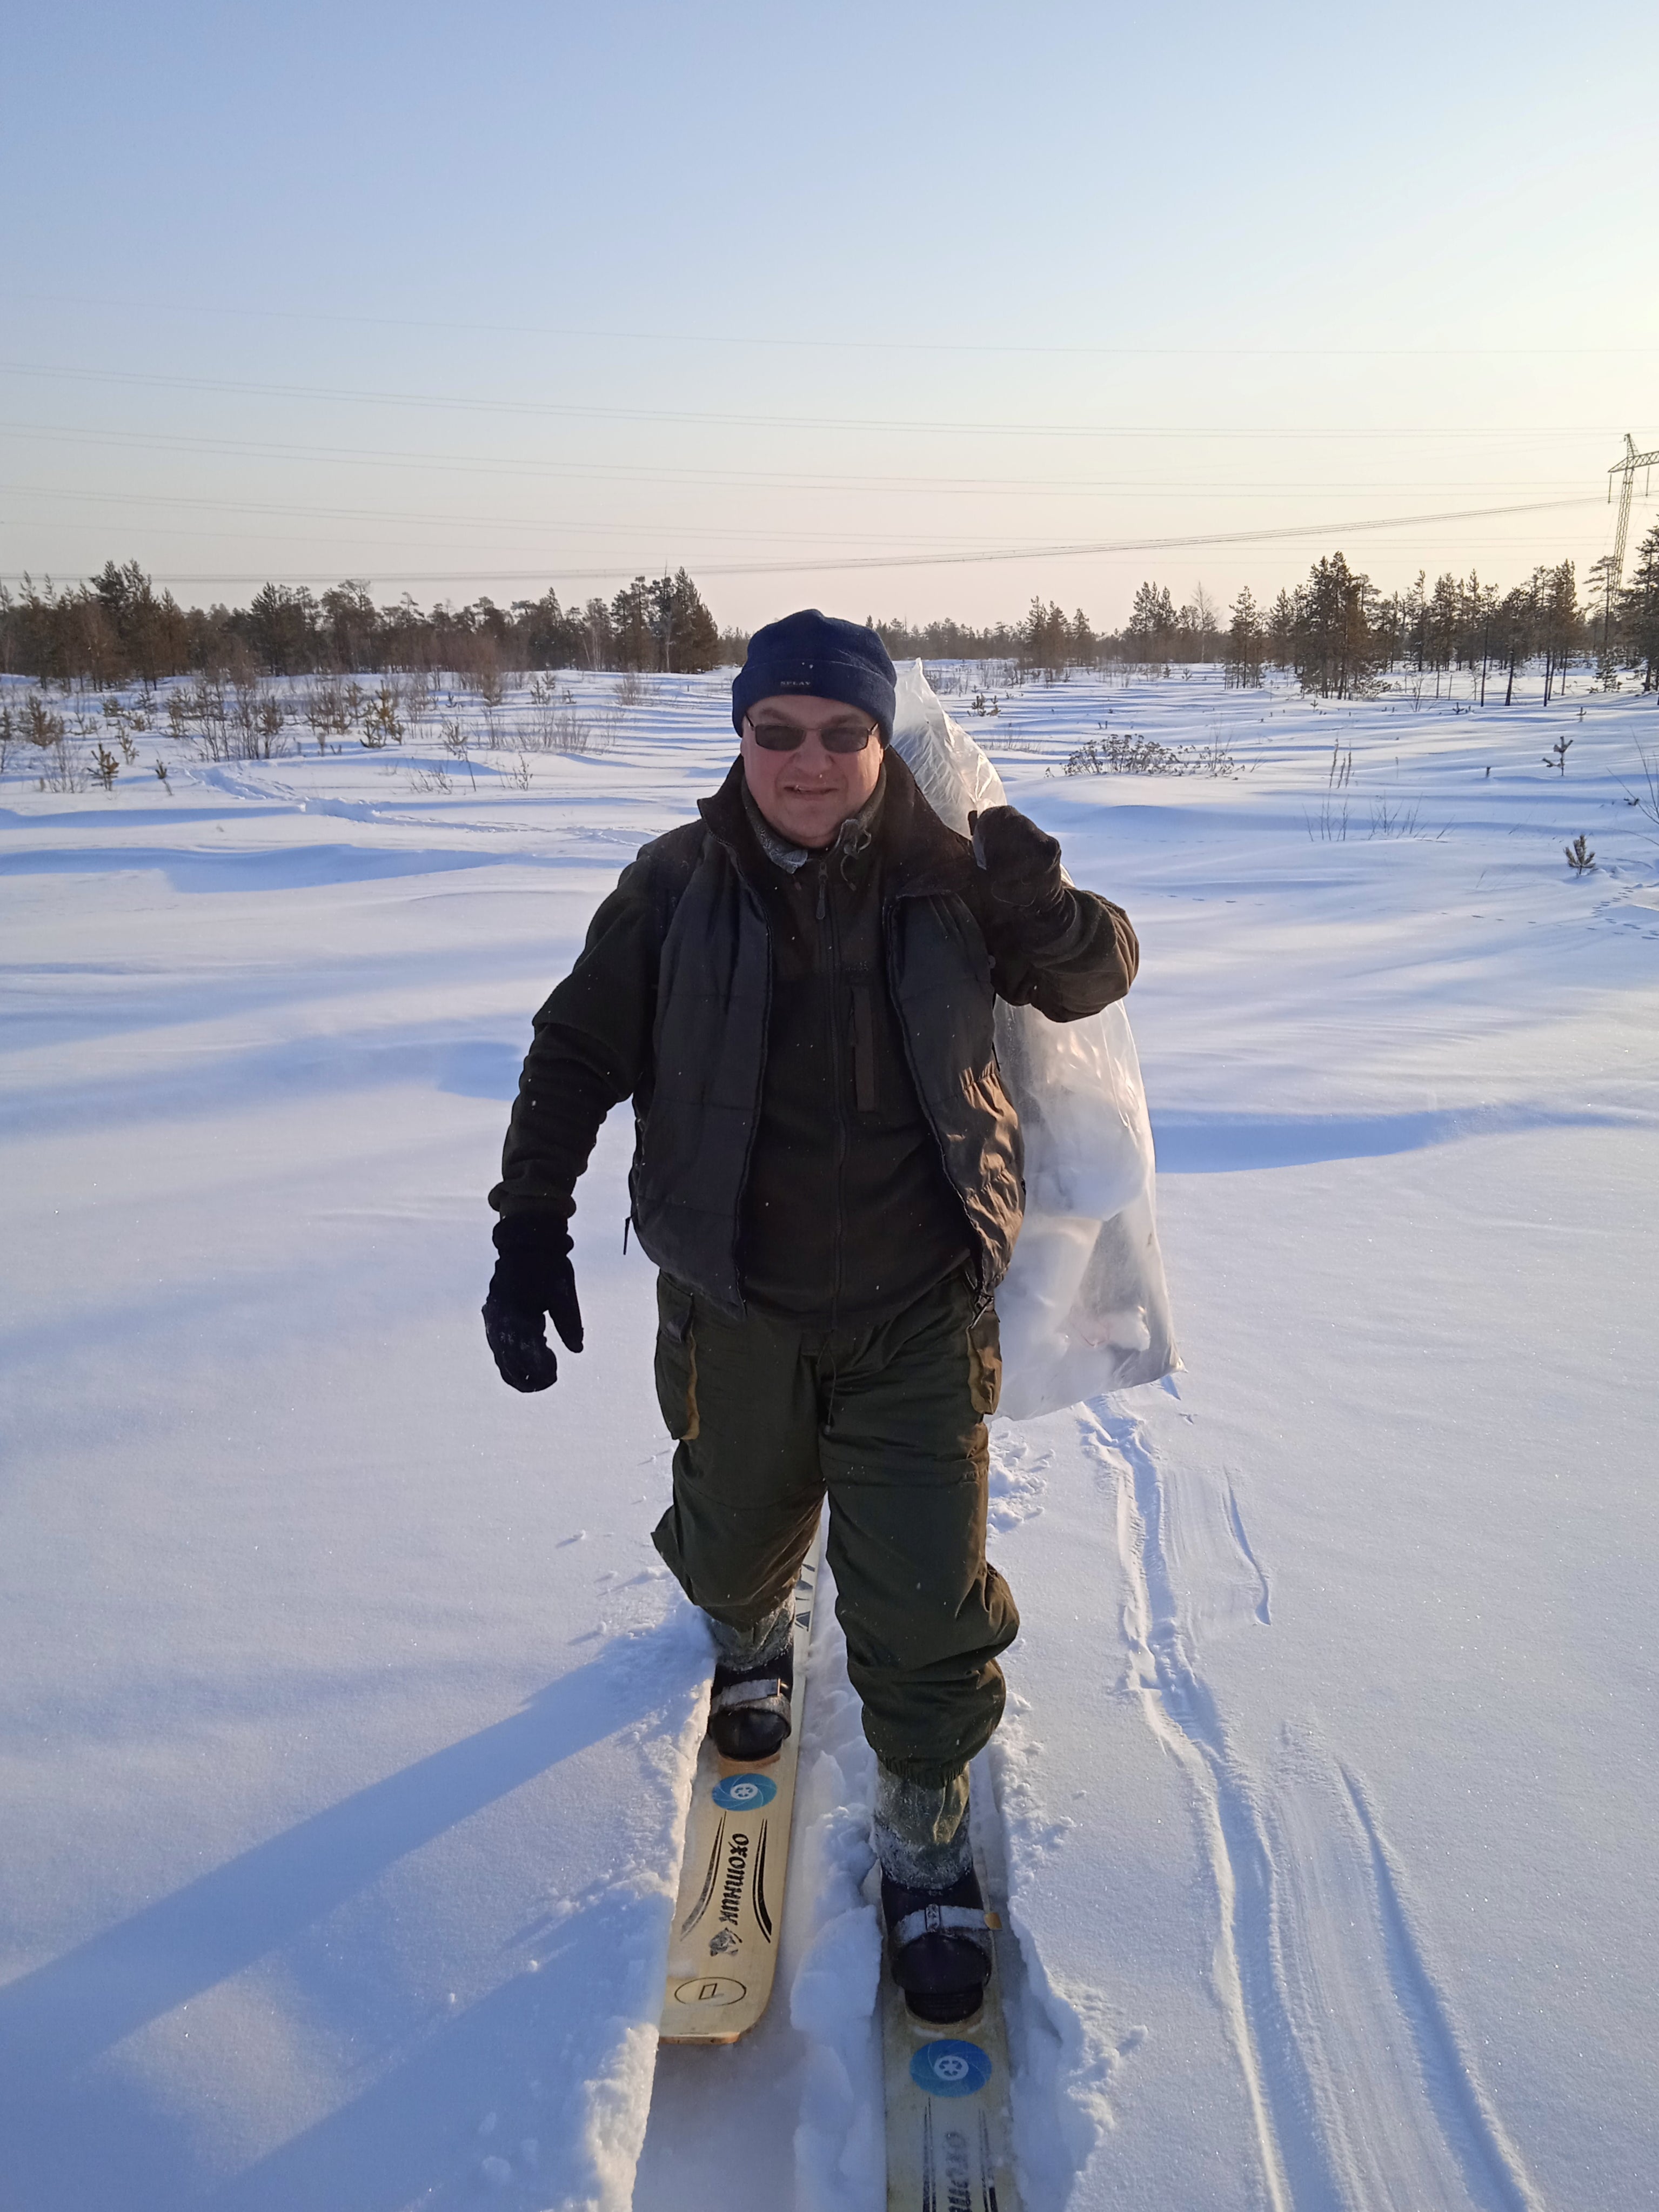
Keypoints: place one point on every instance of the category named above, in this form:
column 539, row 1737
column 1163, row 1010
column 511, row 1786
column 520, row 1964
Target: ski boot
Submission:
column 748, row 1702
column 938, row 1940
column 938, row 1947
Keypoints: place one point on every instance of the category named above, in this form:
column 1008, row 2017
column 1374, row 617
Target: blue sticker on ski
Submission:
column 745, row 1793
column 951, row 2069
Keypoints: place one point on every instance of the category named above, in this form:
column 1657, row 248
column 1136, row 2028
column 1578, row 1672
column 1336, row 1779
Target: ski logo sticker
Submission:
column 713, row 1990
column 723, row 1941
column 745, row 1793
column 951, row 2070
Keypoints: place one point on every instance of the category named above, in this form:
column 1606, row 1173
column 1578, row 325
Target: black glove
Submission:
column 1022, row 871
column 534, row 1278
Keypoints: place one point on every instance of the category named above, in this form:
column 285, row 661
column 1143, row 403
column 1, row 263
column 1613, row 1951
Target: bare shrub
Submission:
column 455, row 741
column 206, row 705
column 254, row 722
column 326, row 711
column 560, row 729
column 62, row 770
column 1122, row 752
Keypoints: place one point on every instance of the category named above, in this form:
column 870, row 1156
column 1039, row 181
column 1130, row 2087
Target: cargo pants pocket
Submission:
column 676, row 1360
column 985, row 1362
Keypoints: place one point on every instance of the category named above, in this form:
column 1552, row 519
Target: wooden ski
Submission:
column 723, row 1953
column 949, row 2118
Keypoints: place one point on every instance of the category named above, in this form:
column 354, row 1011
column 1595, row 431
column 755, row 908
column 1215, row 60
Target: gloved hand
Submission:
column 1022, row 866
column 534, row 1278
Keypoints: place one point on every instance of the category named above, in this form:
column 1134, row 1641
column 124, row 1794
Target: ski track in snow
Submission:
column 1364, row 2096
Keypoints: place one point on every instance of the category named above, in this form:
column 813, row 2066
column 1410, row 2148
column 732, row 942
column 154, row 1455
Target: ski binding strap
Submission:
column 749, row 1693
column 939, row 1920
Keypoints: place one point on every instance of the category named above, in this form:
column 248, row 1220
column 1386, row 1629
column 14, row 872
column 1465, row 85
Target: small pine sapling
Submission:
column 105, row 767
column 1580, row 859
column 1556, row 757
column 162, row 773
column 41, row 728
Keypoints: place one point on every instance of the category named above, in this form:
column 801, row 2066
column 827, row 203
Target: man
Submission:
column 796, row 991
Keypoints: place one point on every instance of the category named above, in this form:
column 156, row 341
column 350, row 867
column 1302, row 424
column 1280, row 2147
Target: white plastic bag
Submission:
column 1084, row 1307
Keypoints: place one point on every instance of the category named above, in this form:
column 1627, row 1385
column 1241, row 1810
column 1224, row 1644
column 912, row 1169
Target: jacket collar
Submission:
column 919, row 855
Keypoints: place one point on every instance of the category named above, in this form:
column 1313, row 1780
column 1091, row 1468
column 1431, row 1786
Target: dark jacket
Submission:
column 672, row 1003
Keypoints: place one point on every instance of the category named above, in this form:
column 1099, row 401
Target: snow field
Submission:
column 347, row 1713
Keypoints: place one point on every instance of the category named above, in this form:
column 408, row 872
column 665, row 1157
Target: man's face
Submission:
column 808, row 794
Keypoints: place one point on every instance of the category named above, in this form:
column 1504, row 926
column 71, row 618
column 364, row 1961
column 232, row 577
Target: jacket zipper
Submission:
column 832, row 981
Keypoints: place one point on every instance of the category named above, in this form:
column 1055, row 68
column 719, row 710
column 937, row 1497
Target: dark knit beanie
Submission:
column 822, row 657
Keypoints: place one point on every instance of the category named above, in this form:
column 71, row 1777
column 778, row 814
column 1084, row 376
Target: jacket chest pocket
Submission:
column 675, row 1362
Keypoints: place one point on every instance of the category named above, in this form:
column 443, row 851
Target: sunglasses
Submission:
column 788, row 736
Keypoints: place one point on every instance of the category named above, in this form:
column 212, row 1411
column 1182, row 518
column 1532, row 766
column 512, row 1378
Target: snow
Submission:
column 346, row 1714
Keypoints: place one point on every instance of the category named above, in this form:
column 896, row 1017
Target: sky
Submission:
column 897, row 310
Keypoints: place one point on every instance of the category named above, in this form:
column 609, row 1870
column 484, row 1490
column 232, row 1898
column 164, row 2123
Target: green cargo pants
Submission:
column 889, row 1421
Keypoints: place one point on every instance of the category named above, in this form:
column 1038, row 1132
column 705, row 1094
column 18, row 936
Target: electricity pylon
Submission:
column 1627, row 469
column 1612, row 567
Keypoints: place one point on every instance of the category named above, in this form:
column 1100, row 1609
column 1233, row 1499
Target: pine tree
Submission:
column 689, row 636
column 1279, row 630
column 1336, row 649
column 1638, row 612
column 1560, row 612
column 280, row 628
column 1152, row 622
column 1441, row 625
column 1244, row 644
column 633, row 627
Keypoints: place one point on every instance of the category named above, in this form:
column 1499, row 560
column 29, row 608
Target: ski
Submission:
column 724, row 1950
column 949, row 2120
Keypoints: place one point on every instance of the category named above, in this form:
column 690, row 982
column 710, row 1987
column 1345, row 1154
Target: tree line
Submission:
column 119, row 627
column 1341, row 634
column 1338, row 632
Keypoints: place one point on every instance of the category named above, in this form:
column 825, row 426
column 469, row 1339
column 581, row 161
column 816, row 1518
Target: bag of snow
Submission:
column 1084, row 1307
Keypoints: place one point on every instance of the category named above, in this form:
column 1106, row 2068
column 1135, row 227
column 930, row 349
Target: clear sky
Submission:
column 464, row 300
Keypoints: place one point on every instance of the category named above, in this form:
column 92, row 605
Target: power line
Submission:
column 604, row 472
column 747, row 341
column 846, row 564
column 751, row 422
column 424, row 521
